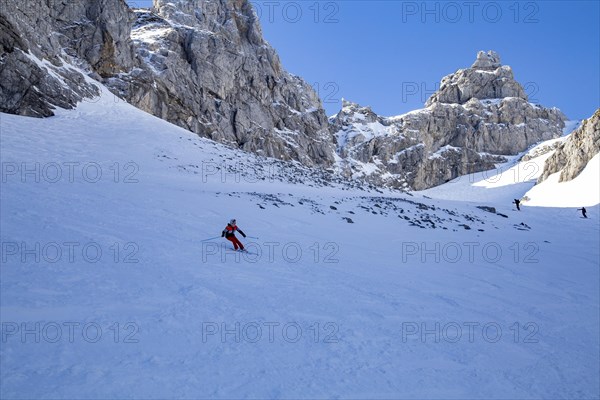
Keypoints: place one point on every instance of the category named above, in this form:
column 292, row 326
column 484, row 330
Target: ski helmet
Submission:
column 232, row 222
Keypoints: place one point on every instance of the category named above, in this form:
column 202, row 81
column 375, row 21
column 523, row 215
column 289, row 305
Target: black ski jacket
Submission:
column 230, row 230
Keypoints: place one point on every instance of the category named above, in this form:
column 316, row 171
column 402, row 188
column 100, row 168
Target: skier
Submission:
column 229, row 234
column 583, row 211
column 518, row 204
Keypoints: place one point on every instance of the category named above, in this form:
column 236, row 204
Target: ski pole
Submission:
column 253, row 237
column 208, row 240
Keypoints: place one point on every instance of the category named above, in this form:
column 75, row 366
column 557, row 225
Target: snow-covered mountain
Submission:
column 115, row 281
column 218, row 77
column 205, row 66
column 478, row 117
column 109, row 287
column 202, row 65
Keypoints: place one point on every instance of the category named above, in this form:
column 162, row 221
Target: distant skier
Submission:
column 583, row 211
column 229, row 234
column 518, row 204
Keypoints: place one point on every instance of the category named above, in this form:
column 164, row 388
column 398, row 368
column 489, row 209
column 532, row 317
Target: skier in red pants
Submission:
column 229, row 234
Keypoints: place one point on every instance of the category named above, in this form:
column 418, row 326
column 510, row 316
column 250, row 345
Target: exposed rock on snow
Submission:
column 204, row 66
column 543, row 148
column 34, row 79
column 573, row 154
column 478, row 115
column 201, row 65
column 209, row 70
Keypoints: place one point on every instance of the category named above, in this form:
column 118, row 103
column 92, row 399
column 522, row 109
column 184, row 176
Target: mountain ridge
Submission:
column 210, row 71
column 479, row 116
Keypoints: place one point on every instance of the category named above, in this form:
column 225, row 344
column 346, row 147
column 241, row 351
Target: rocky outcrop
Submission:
column 205, row 66
column 200, row 64
column 209, row 70
column 410, row 151
column 34, row 77
column 479, row 115
column 544, row 148
column 486, row 79
column 573, row 154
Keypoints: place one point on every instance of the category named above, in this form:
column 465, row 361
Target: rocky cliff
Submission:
column 210, row 71
column 486, row 79
column 571, row 157
column 479, row 115
column 200, row 64
column 205, row 66
column 43, row 44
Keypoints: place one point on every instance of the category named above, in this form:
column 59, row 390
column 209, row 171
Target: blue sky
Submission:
column 392, row 54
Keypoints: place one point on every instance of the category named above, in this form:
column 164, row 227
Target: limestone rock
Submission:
column 34, row 79
column 468, row 126
column 486, row 79
column 206, row 67
column 200, row 64
column 487, row 61
column 572, row 156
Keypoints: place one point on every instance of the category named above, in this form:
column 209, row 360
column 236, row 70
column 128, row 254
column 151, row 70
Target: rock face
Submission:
column 478, row 115
column 34, row 74
column 572, row 156
column 42, row 42
column 486, row 79
column 200, row 64
column 206, row 67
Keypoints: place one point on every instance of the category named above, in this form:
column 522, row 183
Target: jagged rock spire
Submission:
column 486, row 79
column 487, row 60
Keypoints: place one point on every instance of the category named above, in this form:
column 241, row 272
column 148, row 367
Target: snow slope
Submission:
column 581, row 191
column 107, row 290
column 517, row 180
column 507, row 182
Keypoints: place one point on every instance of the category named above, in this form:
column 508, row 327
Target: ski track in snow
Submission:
column 396, row 267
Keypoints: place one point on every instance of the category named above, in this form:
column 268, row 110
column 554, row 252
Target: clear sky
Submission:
column 392, row 54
